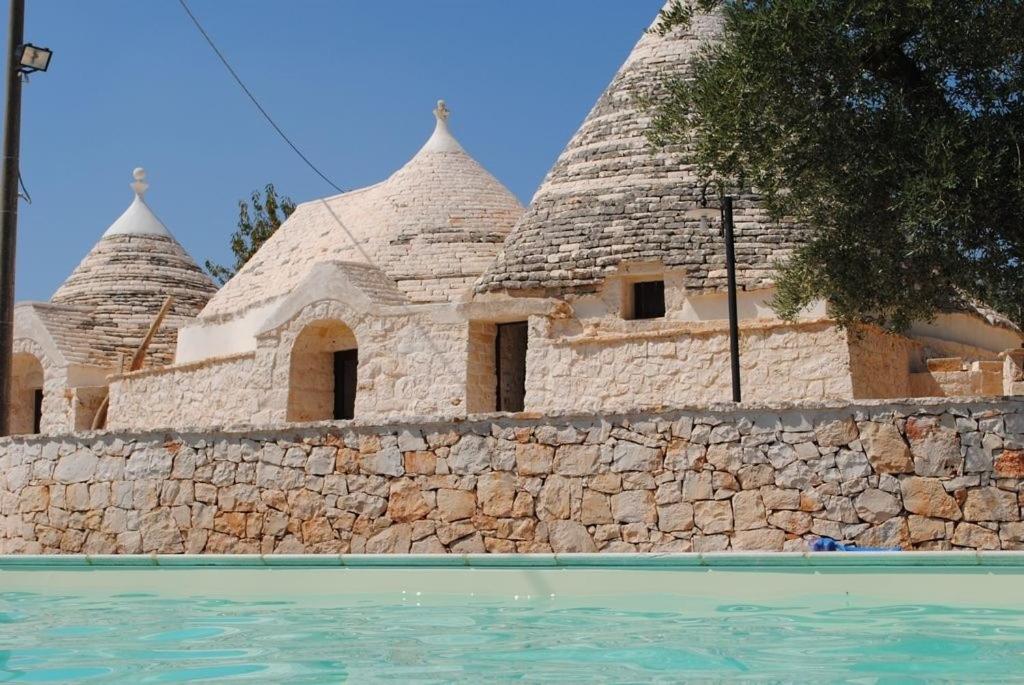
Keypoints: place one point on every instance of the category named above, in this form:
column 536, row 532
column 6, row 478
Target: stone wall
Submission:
column 934, row 475
column 656, row 364
column 215, row 392
column 410, row 364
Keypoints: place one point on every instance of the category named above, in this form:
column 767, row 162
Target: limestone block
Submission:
column 927, row 497
column 886, row 449
column 576, row 460
column 754, row 476
column 629, row 456
column 794, row 522
column 975, row 537
column 669, row 492
column 455, row 505
column 406, row 502
column 676, row 517
column 991, row 504
column 779, row 498
column 77, row 467
column 569, row 537
column 876, row 506
column 935, row 448
column 634, row 506
column 472, row 454
column 837, row 433
column 748, row 510
column 160, row 533
column 395, row 539
column 713, row 517
column 411, row 441
column 496, row 494
column 697, row 486
column 321, row 460
column 893, row 533
column 387, row 462
column 797, row 476
column 533, row 459
column 34, row 498
column 725, row 457
column 923, row 529
column 1010, row 464
column 555, row 500
column 764, row 539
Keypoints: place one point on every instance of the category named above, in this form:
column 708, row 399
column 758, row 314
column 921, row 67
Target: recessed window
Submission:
column 648, row 300
column 324, row 373
column 510, row 365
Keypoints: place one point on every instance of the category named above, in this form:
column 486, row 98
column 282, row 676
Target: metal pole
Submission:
column 9, row 211
column 734, row 327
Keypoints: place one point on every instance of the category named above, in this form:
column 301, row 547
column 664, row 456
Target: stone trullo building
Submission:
column 435, row 294
column 66, row 349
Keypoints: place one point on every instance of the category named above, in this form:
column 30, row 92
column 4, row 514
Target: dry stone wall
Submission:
column 934, row 475
column 666, row 368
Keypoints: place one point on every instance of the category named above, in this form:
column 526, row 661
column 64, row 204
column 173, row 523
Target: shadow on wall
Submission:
column 26, row 394
column 323, row 373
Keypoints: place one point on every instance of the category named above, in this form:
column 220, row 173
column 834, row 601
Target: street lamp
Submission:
column 34, row 58
column 705, row 213
column 22, row 59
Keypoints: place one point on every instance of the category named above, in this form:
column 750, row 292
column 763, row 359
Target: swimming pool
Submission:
column 565, row 618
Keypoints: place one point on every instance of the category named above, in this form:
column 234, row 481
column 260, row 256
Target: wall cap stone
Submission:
column 900, row 407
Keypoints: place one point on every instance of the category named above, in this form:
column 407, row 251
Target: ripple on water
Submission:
column 142, row 638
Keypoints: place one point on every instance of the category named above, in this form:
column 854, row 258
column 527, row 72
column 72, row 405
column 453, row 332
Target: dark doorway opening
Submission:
column 510, row 365
column 37, row 411
column 649, row 300
column 346, row 366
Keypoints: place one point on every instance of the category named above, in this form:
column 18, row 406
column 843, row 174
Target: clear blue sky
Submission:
column 353, row 82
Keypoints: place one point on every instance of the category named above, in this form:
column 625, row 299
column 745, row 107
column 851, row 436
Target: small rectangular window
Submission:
column 649, row 300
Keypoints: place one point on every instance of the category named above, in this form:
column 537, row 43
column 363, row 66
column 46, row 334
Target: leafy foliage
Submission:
column 894, row 130
column 268, row 213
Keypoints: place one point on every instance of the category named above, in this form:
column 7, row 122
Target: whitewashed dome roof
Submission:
column 124, row 279
column 433, row 227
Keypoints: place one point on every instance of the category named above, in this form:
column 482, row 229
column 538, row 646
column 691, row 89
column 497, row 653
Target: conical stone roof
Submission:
column 433, row 227
column 124, row 280
column 612, row 197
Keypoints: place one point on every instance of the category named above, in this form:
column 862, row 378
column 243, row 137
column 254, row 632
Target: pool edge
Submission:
column 717, row 560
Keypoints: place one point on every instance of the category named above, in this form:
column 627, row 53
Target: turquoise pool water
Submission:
column 576, row 620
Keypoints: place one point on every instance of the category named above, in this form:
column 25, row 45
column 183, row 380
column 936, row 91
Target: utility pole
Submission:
column 705, row 213
column 730, row 269
column 9, row 211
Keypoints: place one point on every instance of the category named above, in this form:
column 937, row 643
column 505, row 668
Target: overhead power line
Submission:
column 252, row 97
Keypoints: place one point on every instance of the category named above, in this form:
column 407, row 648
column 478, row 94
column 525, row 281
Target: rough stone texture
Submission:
column 432, row 228
column 611, row 198
column 885, row 447
column 927, row 497
column 756, row 479
column 121, row 284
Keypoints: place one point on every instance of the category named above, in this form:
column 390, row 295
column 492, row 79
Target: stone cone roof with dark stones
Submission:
column 123, row 281
column 117, row 290
column 612, row 197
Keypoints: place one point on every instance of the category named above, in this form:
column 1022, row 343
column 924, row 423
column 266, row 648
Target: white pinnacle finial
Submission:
column 442, row 140
column 140, row 185
column 442, row 112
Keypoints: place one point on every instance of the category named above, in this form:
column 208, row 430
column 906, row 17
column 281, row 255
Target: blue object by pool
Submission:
column 913, row 617
column 827, row 544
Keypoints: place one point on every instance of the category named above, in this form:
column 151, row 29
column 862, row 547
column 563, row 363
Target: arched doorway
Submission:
column 26, row 394
column 323, row 374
